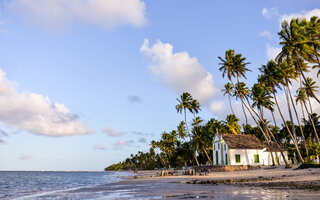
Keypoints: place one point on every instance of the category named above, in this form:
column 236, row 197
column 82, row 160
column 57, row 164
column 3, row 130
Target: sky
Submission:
column 86, row 83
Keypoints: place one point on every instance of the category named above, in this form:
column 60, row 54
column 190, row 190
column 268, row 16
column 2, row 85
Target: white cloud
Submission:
column 111, row 132
column 272, row 51
column 179, row 71
column 222, row 108
column 269, row 13
column 302, row 14
column 121, row 144
column 54, row 14
column 217, row 106
column 266, row 34
column 35, row 113
column 99, row 147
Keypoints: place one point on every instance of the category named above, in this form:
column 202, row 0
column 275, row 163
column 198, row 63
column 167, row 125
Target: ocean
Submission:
column 25, row 185
column 108, row 185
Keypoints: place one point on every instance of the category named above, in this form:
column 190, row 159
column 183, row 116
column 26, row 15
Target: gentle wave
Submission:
column 56, row 185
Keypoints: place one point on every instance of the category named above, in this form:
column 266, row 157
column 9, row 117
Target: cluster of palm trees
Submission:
column 300, row 51
column 192, row 144
column 183, row 146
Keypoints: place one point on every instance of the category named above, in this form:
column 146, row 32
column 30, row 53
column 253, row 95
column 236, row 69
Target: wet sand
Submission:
column 264, row 183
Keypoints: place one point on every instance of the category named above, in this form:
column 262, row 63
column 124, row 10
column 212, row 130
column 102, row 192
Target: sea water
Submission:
column 108, row 185
column 22, row 185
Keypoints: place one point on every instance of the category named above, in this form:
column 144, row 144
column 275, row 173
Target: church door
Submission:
column 217, row 157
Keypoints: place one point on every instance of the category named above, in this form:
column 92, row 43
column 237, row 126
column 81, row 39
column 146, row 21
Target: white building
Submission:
column 230, row 149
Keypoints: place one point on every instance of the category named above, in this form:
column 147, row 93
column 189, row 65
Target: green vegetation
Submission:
column 192, row 144
column 308, row 165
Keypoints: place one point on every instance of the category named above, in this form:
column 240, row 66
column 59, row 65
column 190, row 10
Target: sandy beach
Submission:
column 263, row 183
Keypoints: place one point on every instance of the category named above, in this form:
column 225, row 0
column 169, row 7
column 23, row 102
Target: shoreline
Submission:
column 277, row 183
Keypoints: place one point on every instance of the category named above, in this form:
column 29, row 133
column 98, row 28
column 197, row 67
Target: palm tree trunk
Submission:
column 284, row 121
column 270, row 133
column 245, row 115
column 293, row 129
column 265, row 133
column 313, row 126
column 185, row 120
column 310, row 104
column 262, row 131
column 274, row 120
column 302, row 111
column 300, row 127
column 163, row 162
column 195, row 156
column 230, row 105
column 205, row 151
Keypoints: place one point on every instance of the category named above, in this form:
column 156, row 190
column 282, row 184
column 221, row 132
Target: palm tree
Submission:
column 288, row 72
column 195, row 106
column 310, row 87
column 261, row 97
column 181, row 130
column 234, row 66
column 272, row 76
column 228, row 89
column 185, row 103
column 295, row 45
column 301, row 97
column 311, row 30
column 156, row 145
column 196, row 121
column 198, row 137
column 231, row 124
column 242, row 90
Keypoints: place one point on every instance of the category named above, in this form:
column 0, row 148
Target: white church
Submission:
column 230, row 149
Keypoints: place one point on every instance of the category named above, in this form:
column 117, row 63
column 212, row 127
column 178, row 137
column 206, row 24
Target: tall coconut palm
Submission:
column 302, row 97
column 234, row 66
column 272, row 76
column 242, row 90
column 185, row 103
column 195, row 106
column 228, row 90
column 294, row 45
column 199, row 137
column 261, row 96
column 311, row 29
column 310, row 87
column 289, row 72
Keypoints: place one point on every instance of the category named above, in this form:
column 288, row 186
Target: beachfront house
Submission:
column 230, row 149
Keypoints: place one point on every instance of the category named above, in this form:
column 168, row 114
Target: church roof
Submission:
column 242, row 141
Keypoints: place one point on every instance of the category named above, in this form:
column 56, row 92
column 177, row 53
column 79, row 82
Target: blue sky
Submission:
column 84, row 84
